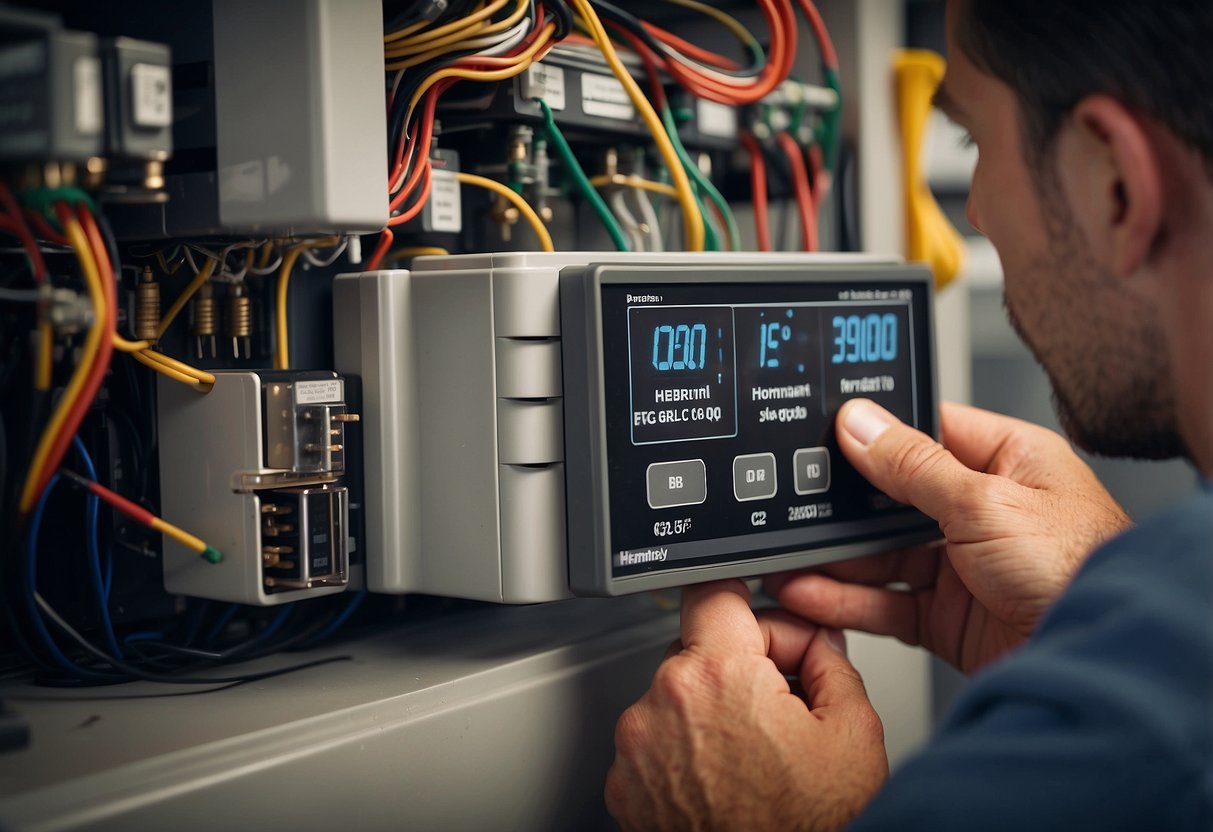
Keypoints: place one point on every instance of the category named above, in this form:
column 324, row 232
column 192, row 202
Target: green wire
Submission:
column 703, row 183
column 831, row 129
column 579, row 178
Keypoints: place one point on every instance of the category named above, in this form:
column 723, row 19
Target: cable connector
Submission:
column 67, row 311
column 212, row 555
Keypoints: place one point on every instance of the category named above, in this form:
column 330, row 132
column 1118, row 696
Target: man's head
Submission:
column 1085, row 112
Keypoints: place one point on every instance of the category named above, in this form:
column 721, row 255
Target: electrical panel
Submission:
column 500, row 447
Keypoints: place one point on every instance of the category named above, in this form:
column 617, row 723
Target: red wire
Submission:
column 105, row 350
column 44, row 228
column 828, row 56
column 758, row 188
column 135, row 512
column 415, row 209
column 13, row 209
column 804, row 194
column 782, row 52
column 689, row 49
column 381, row 249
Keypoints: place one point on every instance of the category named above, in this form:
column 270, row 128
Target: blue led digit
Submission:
column 888, row 328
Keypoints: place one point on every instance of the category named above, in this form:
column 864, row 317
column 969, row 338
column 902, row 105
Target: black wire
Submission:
column 633, row 24
column 138, row 673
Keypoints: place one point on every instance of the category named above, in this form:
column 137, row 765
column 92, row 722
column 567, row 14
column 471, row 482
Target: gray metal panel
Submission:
column 534, row 563
column 498, row 718
column 529, row 432
column 528, row 369
column 371, row 339
column 301, row 124
column 452, row 330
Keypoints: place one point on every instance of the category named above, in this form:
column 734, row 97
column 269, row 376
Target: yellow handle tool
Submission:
column 930, row 237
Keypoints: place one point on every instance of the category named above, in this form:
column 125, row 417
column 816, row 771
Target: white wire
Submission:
column 310, row 256
column 648, row 215
column 620, row 208
column 505, row 41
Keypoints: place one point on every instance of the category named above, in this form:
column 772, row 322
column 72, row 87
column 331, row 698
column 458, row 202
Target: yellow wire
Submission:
column 453, row 39
column 194, row 285
column 731, row 23
column 606, row 180
column 145, row 358
column 692, row 219
column 528, row 213
column 458, row 25
column 406, row 31
column 75, row 385
column 459, row 39
column 179, row 534
column 43, row 362
column 414, row 251
column 524, row 59
column 196, row 375
column 282, row 356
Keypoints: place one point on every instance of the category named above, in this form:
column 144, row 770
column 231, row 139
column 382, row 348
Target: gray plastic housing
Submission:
column 586, row 458
column 51, row 103
column 299, row 113
column 214, row 483
column 464, row 415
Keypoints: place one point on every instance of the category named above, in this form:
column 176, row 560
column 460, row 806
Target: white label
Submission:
column 86, row 73
column 604, row 96
column 319, row 392
column 542, row 81
column 151, row 96
column 717, row 119
column 445, row 207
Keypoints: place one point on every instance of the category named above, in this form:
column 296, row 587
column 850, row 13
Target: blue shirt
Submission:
column 1102, row 720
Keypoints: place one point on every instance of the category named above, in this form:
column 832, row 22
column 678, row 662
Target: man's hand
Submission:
column 721, row 741
column 1019, row 512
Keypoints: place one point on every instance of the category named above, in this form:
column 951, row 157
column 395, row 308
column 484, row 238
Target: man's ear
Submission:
column 1115, row 180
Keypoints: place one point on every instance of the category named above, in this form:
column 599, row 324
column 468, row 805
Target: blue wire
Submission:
column 92, row 504
column 275, row 624
column 146, row 635
column 31, row 584
column 340, row 620
column 221, row 622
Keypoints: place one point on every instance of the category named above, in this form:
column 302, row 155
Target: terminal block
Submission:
column 255, row 467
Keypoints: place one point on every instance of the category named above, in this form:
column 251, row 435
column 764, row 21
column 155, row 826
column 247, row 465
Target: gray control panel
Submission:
column 538, row 425
column 699, row 415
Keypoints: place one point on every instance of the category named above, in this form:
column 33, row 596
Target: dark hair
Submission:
column 1155, row 56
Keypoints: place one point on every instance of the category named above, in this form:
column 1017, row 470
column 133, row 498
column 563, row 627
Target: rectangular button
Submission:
column 683, row 483
column 754, row 477
column 812, row 467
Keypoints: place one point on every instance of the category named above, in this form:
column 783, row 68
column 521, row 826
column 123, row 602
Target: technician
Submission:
column 1091, row 647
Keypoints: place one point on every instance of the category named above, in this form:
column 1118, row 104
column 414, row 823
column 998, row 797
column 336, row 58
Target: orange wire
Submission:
column 758, row 189
column 804, row 195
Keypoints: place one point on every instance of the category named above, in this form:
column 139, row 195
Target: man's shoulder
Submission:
column 1174, row 544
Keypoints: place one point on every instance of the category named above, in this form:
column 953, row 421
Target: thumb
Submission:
column 904, row 463
column 827, row 675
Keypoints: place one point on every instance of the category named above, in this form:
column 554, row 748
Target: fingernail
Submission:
column 865, row 420
column 837, row 640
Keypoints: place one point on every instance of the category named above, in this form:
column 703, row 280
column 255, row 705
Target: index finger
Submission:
column 718, row 615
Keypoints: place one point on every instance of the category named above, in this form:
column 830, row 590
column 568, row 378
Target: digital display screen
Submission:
column 720, row 401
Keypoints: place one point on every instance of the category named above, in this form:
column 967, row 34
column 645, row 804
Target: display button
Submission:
column 812, row 467
column 754, row 477
column 683, row 483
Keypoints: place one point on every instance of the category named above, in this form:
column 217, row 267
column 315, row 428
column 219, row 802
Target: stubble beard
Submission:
column 1106, row 358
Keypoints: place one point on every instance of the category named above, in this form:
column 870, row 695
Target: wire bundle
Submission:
column 487, row 42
